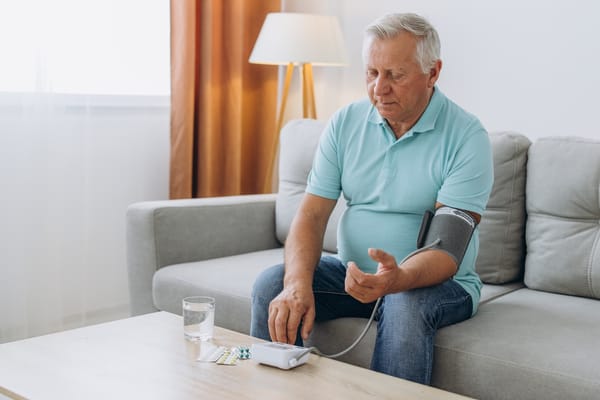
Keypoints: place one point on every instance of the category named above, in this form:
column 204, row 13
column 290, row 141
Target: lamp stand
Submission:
column 308, row 92
column 309, row 110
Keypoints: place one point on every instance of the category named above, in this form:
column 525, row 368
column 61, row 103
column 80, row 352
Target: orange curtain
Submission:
column 222, row 107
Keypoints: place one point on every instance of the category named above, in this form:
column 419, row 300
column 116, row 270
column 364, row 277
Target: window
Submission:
column 84, row 132
column 116, row 47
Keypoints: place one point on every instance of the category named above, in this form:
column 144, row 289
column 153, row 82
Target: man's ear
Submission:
column 434, row 73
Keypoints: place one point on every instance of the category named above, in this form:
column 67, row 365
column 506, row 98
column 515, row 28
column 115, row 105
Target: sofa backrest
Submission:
column 502, row 230
column 297, row 145
column 563, row 226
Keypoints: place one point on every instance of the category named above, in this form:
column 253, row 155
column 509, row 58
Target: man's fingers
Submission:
column 356, row 283
column 357, row 277
column 278, row 319
column 285, row 318
column 366, row 287
column 384, row 258
column 272, row 316
column 380, row 255
column 292, row 327
column 307, row 323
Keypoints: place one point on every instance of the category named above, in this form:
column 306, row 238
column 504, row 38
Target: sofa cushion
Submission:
column 524, row 345
column 298, row 144
column 563, row 206
column 501, row 232
column 228, row 279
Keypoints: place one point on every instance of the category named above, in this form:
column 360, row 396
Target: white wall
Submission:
column 526, row 66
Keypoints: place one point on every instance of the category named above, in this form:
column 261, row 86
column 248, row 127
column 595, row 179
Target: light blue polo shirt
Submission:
column 388, row 183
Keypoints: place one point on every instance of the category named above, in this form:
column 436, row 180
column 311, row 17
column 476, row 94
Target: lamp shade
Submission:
column 299, row 38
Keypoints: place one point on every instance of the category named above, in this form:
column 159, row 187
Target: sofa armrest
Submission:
column 161, row 233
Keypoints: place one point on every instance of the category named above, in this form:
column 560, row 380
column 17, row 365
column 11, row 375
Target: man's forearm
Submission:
column 425, row 269
column 302, row 253
column 304, row 244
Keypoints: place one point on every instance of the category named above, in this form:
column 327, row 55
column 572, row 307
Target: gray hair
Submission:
column 391, row 25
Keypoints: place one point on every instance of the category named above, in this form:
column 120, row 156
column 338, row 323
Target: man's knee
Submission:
column 408, row 311
column 430, row 307
column 268, row 284
column 411, row 301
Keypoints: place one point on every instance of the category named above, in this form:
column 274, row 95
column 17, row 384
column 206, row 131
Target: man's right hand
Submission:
column 294, row 305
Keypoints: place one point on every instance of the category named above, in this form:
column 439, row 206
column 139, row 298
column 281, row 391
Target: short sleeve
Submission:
column 324, row 179
column 469, row 176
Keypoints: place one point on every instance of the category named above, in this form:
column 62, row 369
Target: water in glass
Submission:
column 198, row 319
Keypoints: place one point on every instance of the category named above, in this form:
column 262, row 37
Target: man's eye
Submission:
column 397, row 77
column 371, row 74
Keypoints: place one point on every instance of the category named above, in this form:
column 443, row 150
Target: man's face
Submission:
column 395, row 82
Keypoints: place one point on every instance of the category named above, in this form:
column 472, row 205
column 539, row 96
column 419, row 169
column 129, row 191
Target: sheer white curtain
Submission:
column 84, row 131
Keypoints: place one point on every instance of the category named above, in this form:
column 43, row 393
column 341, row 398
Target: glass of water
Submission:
column 198, row 317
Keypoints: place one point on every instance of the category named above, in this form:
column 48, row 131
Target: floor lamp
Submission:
column 302, row 40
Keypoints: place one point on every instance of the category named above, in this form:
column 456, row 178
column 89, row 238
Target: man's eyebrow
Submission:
column 394, row 69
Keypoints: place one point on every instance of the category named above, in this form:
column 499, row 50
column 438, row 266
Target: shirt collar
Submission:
column 425, row 123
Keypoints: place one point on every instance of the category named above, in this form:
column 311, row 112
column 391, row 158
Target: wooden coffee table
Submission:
column 147, row 357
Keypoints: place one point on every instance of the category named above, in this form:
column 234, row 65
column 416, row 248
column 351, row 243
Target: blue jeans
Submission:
column 406, row 321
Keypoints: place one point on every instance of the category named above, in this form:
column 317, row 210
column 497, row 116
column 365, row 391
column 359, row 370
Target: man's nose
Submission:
column 382, row 85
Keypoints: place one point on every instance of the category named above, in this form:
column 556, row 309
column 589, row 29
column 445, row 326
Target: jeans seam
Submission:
column 459, row 301
column 456, row 301
column 430, row 352
column 328, row 292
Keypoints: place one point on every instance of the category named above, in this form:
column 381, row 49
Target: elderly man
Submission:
column 403, row 151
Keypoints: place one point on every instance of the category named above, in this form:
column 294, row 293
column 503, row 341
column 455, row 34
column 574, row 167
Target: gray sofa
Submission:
column 537, row 332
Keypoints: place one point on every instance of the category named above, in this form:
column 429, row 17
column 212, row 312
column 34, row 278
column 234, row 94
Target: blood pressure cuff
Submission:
column 451, row 228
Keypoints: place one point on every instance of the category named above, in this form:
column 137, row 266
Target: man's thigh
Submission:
column 431, row 307
column 331, row 299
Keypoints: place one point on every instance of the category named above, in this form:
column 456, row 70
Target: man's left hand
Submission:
column 367, row 288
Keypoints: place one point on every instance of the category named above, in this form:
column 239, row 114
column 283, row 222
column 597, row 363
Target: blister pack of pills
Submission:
column 222, row 355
